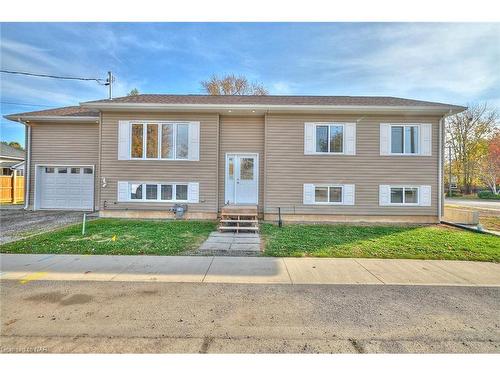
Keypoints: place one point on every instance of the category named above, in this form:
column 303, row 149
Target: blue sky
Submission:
column 454, row 63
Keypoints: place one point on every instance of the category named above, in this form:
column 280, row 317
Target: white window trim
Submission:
column 419, row 146
column 329, row 203
column 160, row 130
column 316, row 124
column 404, row 187
column 158, row 192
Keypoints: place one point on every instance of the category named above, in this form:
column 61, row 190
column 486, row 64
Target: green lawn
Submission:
column 410, row 242
column 118, row 237
column 155, row 237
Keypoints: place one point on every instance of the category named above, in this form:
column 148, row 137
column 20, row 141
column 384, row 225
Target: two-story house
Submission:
column 313, row 158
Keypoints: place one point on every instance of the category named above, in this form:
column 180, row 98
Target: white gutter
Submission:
column 16, row 165
column 22, row 119
column 269, row 108
column 11, row 157
column 27, row 166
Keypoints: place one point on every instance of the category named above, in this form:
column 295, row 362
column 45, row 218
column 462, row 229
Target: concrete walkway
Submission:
column 27, row 268
column 230, row 244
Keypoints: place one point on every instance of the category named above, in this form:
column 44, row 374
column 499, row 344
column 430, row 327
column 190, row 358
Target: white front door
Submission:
column 242, row 172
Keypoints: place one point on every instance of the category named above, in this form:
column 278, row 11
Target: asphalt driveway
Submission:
column 17, row 223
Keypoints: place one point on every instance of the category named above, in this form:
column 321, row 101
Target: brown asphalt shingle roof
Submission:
column 62, row 111
column 270, row 100
column 375, row 101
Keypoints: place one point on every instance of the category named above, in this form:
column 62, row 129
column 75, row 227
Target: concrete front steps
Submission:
column 239, row 219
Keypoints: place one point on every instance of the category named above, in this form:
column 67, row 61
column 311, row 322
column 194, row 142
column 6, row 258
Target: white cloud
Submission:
column 61, row 61
column 439, row 60
column 281, row 88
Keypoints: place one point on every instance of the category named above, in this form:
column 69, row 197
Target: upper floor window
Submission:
column 159, row 141
column 397, row 139
column 330, row 138
column 404, row 139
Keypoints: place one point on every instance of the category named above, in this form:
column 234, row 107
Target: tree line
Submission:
column 473, row 148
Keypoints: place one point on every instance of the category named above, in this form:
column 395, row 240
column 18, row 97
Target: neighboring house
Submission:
column 11, row 159
column 316, row 158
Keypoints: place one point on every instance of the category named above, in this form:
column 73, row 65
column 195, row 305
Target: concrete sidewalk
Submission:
column 263, row 270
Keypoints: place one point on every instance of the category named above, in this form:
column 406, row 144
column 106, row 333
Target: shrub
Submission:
column 488, row 195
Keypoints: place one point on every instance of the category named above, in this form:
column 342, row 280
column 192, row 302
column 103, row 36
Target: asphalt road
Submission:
column 475, row 203
column 91, row 316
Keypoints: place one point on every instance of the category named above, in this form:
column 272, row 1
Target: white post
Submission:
column 84, row 220
column 14, row 178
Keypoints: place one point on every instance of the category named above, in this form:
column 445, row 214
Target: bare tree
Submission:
column 232, row 85
column 466, row 133
column 133, row 92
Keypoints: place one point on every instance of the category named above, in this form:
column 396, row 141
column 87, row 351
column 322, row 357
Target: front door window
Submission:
column 246, row 169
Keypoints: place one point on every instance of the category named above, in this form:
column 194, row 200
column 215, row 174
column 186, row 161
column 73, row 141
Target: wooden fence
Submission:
column 11, row 189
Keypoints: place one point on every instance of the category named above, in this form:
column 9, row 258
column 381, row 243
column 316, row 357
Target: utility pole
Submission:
column 109, row 83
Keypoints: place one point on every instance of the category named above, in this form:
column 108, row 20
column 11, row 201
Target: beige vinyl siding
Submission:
column 240, row 134
column 65, row 144
column 287, row 168
column 203, row 171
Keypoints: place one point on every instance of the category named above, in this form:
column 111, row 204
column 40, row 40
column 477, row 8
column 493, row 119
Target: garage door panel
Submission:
column 71, row 190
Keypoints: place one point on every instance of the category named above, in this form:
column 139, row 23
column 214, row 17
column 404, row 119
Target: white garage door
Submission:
column 67, row 188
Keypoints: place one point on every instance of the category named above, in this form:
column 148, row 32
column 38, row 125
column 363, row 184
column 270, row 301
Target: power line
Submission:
column 98, row 80
column 27, row 104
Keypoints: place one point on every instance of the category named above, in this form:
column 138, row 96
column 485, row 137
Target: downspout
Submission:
column 27, row 164
column 440, row 167
column 217, row 163
column 98, row 178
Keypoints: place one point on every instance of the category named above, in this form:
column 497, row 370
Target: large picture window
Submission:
column 330, row 138
column 137, row 141
column 159, row 141
column 152, row 141
column 182, row 141
column 404, row 139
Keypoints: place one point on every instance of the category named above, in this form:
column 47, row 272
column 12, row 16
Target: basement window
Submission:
column 158, row 192
column 327, row 194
